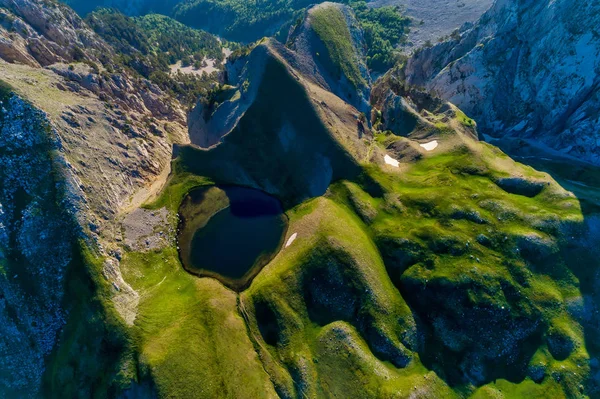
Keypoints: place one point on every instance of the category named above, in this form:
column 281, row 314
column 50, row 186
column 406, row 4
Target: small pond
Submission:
column 229, row 233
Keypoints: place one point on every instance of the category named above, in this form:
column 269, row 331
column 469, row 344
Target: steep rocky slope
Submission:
column 435, row 19
column 36, row 215
column 421, row 261
column 526, row 69
column 80, row 146
column 321, row 66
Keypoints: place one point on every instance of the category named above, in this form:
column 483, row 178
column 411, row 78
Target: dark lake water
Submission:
column 235, row 242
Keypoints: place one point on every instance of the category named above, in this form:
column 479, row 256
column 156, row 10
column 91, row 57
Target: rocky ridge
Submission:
column 548, row 57
column 107, row 139
column 336, row 68
column 339, row 67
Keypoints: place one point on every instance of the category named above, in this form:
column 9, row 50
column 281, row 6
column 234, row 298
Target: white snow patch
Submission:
column 291, row 240
column 432, row 145
column 391, row 161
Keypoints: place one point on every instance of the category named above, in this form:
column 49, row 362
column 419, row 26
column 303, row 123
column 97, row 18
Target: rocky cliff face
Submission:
column 45, row 32
column 79, row 147
column 527, row 69
column 36, row 232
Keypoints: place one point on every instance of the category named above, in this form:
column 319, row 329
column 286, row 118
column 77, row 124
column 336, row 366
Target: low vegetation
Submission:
column 239, row 20
column 429, row 279
column 385, row 29
column 329, row 24
column 335, row 313
column 148, row 46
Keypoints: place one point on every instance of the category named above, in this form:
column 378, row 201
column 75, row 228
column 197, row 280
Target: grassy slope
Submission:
column 444, row 198
column 361, row 304
column 188, row 332
column 301, row 340
column 338, row 359
column 329, row 24
column 309, row 345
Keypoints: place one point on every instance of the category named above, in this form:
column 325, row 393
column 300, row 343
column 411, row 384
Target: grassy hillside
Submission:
column 457, row 274
column 330, row 26
column 441, row 283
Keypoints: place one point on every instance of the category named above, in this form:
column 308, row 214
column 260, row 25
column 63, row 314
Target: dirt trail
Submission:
column 147, row 193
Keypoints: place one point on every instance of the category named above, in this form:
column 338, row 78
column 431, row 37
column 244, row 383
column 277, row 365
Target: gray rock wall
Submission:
column 529, row 69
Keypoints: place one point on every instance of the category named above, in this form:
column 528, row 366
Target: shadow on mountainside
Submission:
column 581, row 242
column 280, row 145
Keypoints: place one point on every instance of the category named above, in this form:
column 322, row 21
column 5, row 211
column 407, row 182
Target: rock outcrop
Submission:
column 28, row 36
column 302, row 134
column 36, row 233
column 79, row 147
column 527, row 69
column 127, row 121
column 334, row 66
column 330, row 44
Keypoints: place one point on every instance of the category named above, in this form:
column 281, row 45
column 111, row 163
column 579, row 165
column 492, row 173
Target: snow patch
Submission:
column 391, row 161
column 291, row 240
column 432, row 145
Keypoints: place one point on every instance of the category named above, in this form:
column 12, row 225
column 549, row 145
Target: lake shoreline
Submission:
column 185, row 248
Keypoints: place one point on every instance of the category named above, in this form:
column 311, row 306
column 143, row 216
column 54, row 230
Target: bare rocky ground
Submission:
column 145, row 229
column 104, row 136
column 439, row 17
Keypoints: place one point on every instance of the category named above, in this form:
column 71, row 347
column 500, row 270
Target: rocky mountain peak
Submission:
column 45, row 32
column 330, row 39
column 525, row 69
